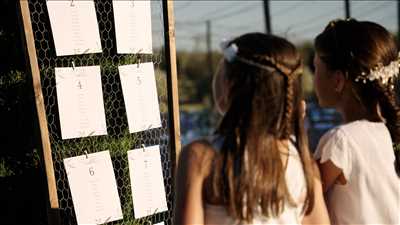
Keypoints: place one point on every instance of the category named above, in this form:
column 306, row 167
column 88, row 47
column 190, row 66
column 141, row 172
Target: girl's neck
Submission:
column 352, row 110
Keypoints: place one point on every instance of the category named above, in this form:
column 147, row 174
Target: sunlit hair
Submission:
column 264, row 109
column 356, row 48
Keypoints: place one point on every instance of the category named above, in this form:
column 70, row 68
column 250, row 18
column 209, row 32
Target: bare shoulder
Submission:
column 197, row 157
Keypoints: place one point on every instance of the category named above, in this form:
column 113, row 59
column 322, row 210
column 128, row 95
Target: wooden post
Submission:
column 40, row 107
column 209, row 49
column 347, row 9
column 398, row 23
column 267, row 17
column 172, row 79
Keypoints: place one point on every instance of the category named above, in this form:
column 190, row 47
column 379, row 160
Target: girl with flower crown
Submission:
column 256, row 169
column 356, row 64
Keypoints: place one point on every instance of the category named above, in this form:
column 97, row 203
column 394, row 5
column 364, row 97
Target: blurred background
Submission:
column 202, row 25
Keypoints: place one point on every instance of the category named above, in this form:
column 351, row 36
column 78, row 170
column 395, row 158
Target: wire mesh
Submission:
column 119, row 140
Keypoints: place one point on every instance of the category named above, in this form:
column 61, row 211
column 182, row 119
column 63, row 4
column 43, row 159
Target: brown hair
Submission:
column 354, row 47
column 264, row 108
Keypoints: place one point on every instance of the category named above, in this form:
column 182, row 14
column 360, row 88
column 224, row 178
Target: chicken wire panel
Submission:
column 119, row 140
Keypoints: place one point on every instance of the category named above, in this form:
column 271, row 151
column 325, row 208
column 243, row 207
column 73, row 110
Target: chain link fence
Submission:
column 119, row 140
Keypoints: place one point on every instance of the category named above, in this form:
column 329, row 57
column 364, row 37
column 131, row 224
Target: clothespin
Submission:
column 138, row 61
column 107, row 220
column 144, row 148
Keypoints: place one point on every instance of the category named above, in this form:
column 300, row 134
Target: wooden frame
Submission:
column 172, row 78
column 172, row 87
column 40, row 107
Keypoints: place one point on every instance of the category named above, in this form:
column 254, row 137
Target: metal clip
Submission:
column 73, row 65
column 86, row 154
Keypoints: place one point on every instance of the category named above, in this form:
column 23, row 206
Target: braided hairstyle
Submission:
column 264, row 109
column 355, row 47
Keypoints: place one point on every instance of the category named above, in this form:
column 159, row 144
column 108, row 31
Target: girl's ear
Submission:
column 340, row 81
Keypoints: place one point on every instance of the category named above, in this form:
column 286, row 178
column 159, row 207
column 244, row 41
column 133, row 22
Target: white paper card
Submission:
column 133, row 26
column 80, row 101
column 147, row 184
column 140, row 96
column 93, row 188
column 74, row 26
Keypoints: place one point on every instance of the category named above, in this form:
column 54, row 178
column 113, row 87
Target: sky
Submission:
column 298, row 21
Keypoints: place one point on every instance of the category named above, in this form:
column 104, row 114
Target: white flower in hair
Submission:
column 383, row 73
column 229, row 50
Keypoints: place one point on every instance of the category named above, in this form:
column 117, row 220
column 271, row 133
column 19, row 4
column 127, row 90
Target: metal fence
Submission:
column 119, row 140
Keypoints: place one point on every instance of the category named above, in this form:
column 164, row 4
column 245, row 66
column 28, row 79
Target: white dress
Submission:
column 363, row 151
column 295, row 179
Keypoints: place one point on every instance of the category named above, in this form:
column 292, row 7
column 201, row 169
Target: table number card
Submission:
column 133, row 26
column 80, row 101
column 147, row 184
column 74, row 26
column 93, row 188
column 140, row 95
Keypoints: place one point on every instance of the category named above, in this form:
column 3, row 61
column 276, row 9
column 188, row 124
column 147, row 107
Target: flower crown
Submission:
column 380, row 72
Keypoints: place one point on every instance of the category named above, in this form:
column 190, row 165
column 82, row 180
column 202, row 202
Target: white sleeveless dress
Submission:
column 295, row 179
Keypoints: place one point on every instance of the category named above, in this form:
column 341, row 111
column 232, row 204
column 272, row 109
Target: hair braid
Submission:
column 391, row 112
column 289, row 99
column 267, row 60
column 288, row 108
column 290, row 75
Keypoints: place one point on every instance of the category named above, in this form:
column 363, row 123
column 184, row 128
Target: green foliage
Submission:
column 396, row 148
column 195, row 75
column 10, row 166
column 307, row 53
column 11, row 79
column 16, row 106
column 5, row 171
column 161, row 81
column 118, row 146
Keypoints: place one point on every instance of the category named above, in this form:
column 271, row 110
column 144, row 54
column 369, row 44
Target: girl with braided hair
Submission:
column 257, row 168
column 356, row 64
